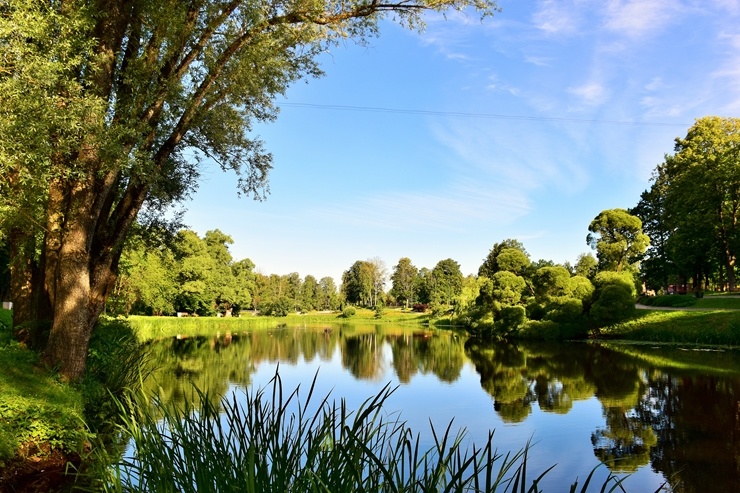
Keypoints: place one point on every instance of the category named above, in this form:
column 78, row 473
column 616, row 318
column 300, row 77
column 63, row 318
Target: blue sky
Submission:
column 438, row 145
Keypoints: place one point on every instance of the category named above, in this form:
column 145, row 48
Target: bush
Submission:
column 608, row 278
column 545, row 330
column 420, row 307
column 510, row 318
column 615, row 304
column 349, row 312
column 564, row 310
column 535, row 310
column 580, row 287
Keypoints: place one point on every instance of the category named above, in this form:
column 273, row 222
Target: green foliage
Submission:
column 614, row 304
column 117, row 364
column 625, row 279
column 36, row 410
column 586, row 265
column 564, row 310
column 507, row 288
column 581, row 288
column 312, row 448
column 349, row 312
column 491, row 265
column 617, row 237
column 445, row 281
column 552, row 282
column 404, row 281
column 6, row 326
column 279, row 307
column 543, row 330
column 509, row 319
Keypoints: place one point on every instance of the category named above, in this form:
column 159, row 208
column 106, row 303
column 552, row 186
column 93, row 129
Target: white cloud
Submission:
column 591, row 94
column 555, row 17
column 637, row 18
column 539, row 61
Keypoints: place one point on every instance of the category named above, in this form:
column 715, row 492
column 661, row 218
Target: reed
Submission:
column 266, row 442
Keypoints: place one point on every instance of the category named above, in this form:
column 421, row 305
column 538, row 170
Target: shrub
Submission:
column 349, row 312
column 546, row 330
column 116, row 365
column 582, row 288
column 607, row 278
column 615, row 304
column 420, row 307
column 510, row 318
column 564, row 310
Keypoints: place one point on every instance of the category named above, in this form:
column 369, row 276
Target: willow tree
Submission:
column 107, row 107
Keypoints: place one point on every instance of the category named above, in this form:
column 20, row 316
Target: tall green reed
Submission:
column 267, row 442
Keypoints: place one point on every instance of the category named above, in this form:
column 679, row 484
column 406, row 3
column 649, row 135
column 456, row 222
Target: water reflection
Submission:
column 675, row 411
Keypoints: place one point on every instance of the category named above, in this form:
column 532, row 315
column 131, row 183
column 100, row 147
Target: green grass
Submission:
column 152, row 328
column 718, row 328
column 713, row 302
column 718, row 303
column 6, row 326
column 37, row 412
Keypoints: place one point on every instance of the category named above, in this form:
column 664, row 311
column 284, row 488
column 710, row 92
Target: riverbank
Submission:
column 48, row 429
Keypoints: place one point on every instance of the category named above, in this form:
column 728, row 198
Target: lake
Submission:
column 658, row 414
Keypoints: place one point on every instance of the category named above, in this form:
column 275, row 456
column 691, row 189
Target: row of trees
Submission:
column 199, row 276
column 364, row 283
column 692, row 210
column 513, row 294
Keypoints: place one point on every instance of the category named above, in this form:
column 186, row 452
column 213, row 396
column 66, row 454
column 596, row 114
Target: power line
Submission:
column 489, row 116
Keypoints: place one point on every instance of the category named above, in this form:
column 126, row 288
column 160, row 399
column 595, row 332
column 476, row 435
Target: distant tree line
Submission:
column 199, row 276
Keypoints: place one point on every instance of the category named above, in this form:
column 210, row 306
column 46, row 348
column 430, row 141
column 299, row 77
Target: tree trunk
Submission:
column 78, row 276
column 731, row 271
column 31, row 308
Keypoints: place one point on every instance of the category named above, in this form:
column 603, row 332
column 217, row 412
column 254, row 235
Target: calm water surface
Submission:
column 657, row 414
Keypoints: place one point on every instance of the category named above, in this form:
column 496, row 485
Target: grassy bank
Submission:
column 46, row 426
column 717, row 328
column 148, row 328
column 42, row 421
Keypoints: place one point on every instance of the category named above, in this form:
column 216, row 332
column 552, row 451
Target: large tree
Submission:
column 617, row 237
column 511, row 260
column 404, row 280
column 107, row 108
column 702, row 196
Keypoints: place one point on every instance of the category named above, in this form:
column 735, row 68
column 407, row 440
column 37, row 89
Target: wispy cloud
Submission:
column 555, row 17
column 636, row 18
column 591, row 93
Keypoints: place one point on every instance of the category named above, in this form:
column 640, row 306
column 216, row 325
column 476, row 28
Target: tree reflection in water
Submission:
column 685, row 423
